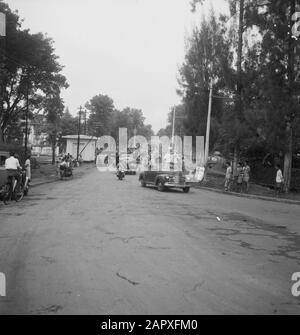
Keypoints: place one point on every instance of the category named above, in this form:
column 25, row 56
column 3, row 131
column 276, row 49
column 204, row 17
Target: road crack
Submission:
column 129, row 280
column 125, row 239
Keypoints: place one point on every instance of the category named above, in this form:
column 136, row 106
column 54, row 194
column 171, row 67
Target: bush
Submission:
column 20, row 150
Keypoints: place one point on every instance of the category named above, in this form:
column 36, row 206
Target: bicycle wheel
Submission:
column 18, row 193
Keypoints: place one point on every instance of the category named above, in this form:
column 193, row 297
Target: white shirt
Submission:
column 12, row 163
column 228, row 172
column 279, row 176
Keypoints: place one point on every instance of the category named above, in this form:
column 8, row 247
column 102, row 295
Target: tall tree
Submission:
column 31, row 68
column 208, row 54
column 132, row 119
column 101, row 109
column 180, row 122
column 68, row 123
column 53, row 110
column 279, row 90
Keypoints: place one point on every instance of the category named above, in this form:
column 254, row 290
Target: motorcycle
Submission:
column 65, row 170
column 120, row 174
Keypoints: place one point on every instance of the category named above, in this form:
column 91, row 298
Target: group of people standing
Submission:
column 240, row 181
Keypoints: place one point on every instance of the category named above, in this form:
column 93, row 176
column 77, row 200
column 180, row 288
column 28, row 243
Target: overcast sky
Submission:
column 127, row 49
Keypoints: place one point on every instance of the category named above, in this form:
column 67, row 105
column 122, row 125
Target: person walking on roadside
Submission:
column 28, row 168
column 246, row 176
column 240, row 174
column 228, row 177
column 279, row 180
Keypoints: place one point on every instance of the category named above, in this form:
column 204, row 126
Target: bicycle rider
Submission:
column 12, row 167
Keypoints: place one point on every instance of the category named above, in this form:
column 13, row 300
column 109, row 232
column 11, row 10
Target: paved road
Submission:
column 102, row 246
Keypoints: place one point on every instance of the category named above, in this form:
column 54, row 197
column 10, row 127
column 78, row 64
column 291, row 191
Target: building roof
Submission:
column 82, row 137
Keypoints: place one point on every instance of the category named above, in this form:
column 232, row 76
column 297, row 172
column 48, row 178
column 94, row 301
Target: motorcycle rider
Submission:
column 120, row 171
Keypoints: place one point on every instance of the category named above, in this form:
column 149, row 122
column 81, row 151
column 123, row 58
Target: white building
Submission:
column 87, row 146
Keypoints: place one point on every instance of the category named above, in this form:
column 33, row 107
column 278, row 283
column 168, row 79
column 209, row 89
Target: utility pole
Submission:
column 2, row 66
column 208, row 122
column 85, row 123
column 134, row 137
column 26, row 118
column 78, row 137
column 173, row 126
column 239, row 107
column 207, row 137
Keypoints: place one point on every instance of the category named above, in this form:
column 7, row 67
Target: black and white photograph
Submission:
column 149, row 160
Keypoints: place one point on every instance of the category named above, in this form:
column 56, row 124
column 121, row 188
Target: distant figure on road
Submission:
column 246, row 176
column 80, row 160
column 279, row 180
column 63, row 163
column 228, row 177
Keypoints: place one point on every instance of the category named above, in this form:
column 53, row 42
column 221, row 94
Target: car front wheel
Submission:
column 186, row 189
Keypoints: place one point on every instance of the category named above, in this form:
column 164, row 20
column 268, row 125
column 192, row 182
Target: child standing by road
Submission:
column 28, row 167
column 246, row 176
column 240, row 174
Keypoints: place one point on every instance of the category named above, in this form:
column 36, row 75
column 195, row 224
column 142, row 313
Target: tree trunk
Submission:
column 53, row 148
column 2, row 86
column 1, row 136
column 239, row 107
column 236, row 154
column 288, row 154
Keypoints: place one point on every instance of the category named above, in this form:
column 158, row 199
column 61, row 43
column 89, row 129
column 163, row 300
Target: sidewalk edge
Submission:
column 249, row 196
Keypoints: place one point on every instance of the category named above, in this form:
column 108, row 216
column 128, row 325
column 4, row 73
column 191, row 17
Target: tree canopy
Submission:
column 256, row 99
column 30, row 68
column 105, row 119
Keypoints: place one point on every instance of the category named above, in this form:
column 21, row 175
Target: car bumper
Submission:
column 176, row 185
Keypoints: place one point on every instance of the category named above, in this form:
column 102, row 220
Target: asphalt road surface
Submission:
column 97, row 245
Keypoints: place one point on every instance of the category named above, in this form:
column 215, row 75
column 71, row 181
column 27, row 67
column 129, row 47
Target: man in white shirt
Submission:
column 12, row 163
column 12, row 166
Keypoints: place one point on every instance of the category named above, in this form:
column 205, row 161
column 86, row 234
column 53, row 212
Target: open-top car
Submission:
column 164, row 180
